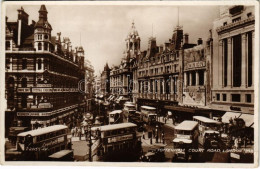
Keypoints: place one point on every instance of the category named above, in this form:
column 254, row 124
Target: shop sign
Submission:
column 195, row 65
column 119, row 138
column 43, row 85
column 23, row 90
column 41, row 90
column 54, row 142
column 183, row 136
column 45, row 105
column 32, row 113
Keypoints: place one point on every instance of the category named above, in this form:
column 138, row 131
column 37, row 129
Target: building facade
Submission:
column 233, row 60
column 89, row 84
column 105, row 77
column 121, row 76
column 42, row 74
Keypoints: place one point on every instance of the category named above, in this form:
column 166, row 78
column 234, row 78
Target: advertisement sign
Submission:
column 119, row 138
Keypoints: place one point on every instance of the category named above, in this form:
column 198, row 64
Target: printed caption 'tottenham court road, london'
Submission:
column 130, row 83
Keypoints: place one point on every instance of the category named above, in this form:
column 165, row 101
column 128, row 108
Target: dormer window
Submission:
column 225, row 23
column 236, row 19
column 236, row 10
column 249, row 14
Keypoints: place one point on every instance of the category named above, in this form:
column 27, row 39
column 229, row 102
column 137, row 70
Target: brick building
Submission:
column 42, row 74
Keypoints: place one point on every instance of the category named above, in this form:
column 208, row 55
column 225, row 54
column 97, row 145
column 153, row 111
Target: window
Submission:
column 24, row 82
column 236, row 19
column 24, row 101
column 248, row 98
column 201, row 77
column 193, row 82
column 225, row 23
column 39, row 46
column 218, row 96
column 224, row 97
column 7, row 63
column 235, row 97
column 39, row 64
column 24, row 64
column 237, row 67
column 45, row 46
column 225, row 44
column 7, row 45
column 249, row 14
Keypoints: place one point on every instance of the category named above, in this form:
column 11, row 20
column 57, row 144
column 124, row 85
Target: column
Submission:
column 172, row 83
column 164, row 85
column 159, row 86
column 205, row 78
column 220, row 75
column 244, row 62
column 190, row 73
column 253, row 56
column 42, row 65
column 153, row 85
column 185, row 79
column 197, row 78
column 229, row 63
column 11, row 64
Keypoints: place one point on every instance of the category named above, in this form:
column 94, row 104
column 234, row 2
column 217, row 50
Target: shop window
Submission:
column 7, row 63
column 218, row 96
column 193, row 82
column 201, row 77
column 224, row 97
column 235, row 97
column 248, row 98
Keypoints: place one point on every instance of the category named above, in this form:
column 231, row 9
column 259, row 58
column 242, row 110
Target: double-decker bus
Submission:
column 148, row 114
column 117, row 142
column 208, row 132
column 41, row 144
column 185, row 139
column 129, row 109
column 116, row 117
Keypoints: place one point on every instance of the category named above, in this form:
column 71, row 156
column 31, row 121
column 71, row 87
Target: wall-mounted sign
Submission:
column 195, row 65
column 43, row 85
column 23, row 90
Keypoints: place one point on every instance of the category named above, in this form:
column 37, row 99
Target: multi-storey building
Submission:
column 233, row 60
column 89, row 84
column 121, row 77
column 105, row 77
column 42, row 74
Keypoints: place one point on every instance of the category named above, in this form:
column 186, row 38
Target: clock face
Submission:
column 45, row 36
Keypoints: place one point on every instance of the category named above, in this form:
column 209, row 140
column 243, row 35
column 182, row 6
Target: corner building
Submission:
column 42, row 74
column 233, row 60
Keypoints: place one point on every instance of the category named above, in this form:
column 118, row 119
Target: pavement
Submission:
column 168, row 123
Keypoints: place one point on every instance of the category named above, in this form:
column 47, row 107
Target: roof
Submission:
column 43, row 130
column 114, row 126
column 187, row 141
column 60, row 154
column 116, row 111
column 187, row 125
column 129, row 105
column 148, row 107
column 211, row 131
column 205, row 119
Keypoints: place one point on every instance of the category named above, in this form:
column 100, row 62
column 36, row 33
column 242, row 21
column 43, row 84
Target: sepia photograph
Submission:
column 137, row 82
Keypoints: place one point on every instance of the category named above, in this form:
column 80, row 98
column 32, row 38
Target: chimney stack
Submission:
column 186, row 38
column 200, row 41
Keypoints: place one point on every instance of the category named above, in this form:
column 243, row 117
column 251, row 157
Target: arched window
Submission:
column 24, row 82
column 39, row 64
column 24, row 63
column 45, row 46
column 39, row 46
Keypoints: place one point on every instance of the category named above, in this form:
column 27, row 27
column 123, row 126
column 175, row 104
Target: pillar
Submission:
column 253, row 56
column 185, row 79
column 205, row 77
column 164, row 85
column 172, row 83
column 244, row 61
column 229, row 63
column 197, row 78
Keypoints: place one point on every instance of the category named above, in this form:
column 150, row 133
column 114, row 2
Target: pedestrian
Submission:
column 82, row 131
column 236, row 143
column 76, row 132
column 153, row 133
column 79, row 132
column 165, row 120
column 143, row 135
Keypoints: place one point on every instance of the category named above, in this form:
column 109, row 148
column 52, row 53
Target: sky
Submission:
column 102, row 29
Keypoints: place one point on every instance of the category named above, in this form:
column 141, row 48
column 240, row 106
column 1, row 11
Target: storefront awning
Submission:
column 228, row 115
column 179, row 108
column 249, row 119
